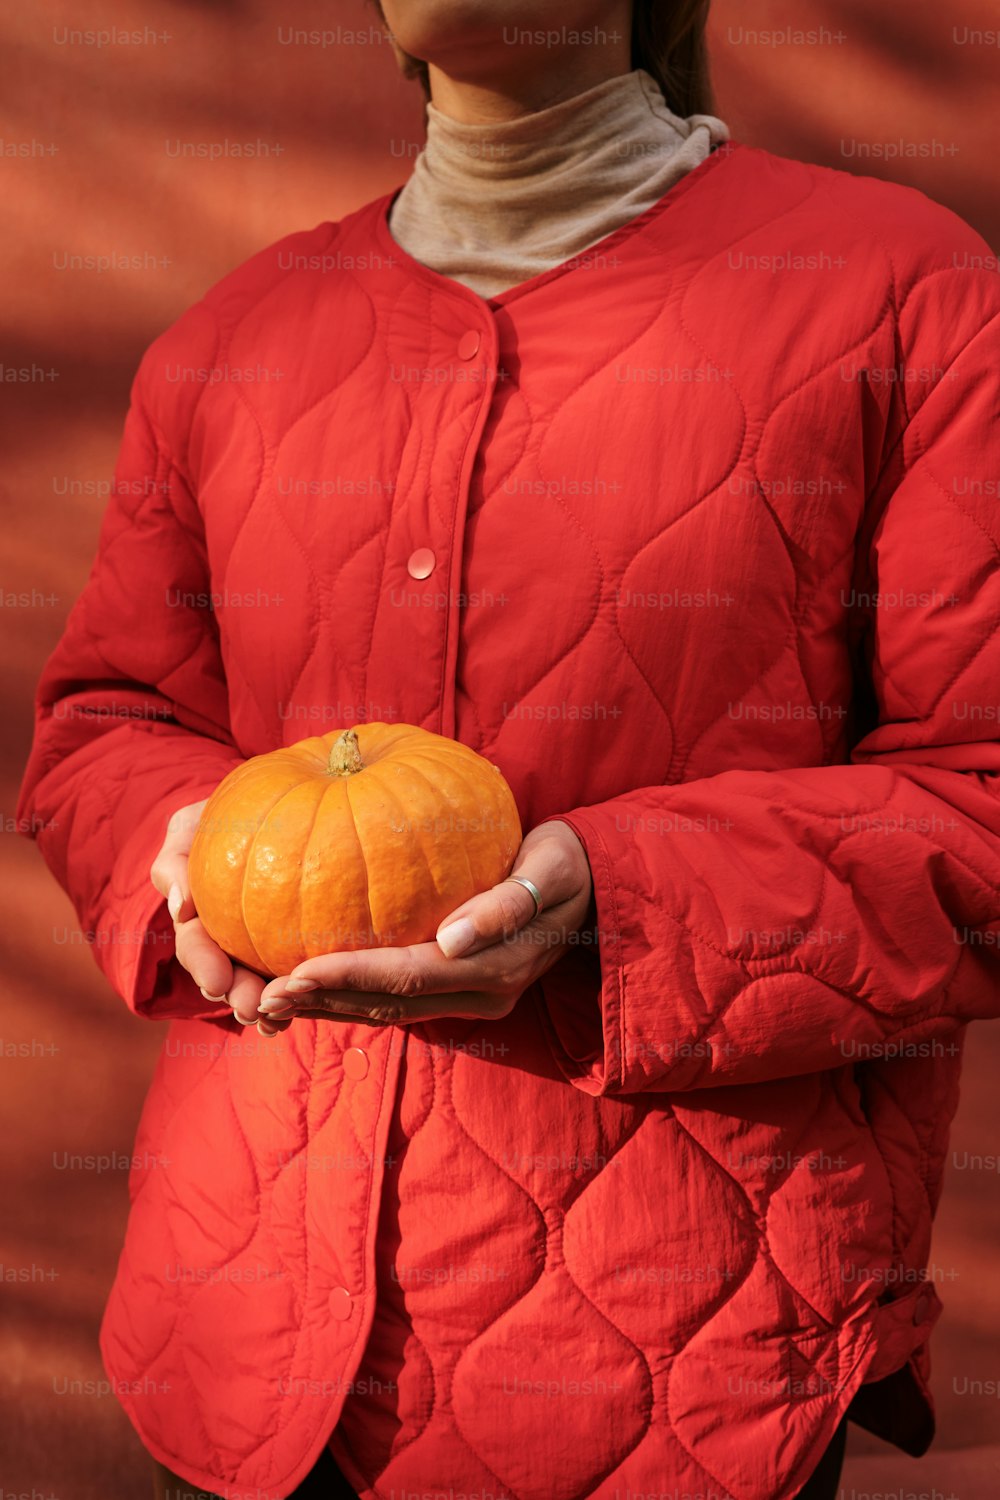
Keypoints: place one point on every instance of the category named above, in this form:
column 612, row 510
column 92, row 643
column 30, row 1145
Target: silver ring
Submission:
column 530, row 887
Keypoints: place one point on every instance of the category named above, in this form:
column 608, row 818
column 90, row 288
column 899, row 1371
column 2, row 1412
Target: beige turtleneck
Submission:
column 493, row 205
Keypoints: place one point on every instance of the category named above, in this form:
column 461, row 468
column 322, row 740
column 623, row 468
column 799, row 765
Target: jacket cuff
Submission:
column 582, row 1015
column 134, row 938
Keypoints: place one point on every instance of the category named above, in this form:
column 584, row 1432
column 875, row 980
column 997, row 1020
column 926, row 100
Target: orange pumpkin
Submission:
column 360, row 839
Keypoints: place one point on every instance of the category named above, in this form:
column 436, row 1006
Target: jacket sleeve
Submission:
column 756, row 925
column 131, row 717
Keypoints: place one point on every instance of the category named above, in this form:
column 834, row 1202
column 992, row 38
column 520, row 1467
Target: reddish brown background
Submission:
column 347, row 128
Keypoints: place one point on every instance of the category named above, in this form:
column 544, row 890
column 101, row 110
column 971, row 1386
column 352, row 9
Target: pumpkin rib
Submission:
column 472, row 791
column 504, row 805
column 501, row 815
column 345, row 814
column 364, row 862
column 305, row 849
column 248, row 866
column 435, row 786
column 390, row 736
column 223, row 796
column 502, row 809
column 390, row 794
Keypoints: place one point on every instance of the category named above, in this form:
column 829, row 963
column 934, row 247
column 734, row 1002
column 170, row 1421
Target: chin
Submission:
column 441, row 31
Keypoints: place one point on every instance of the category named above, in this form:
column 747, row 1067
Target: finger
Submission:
column 272, row 1023
column 499, row 914
column 169, row 870
column 495, row 916
column 371, row 1010
column 183, row 825
column 169, row 874
column 373, row 974
column 204, row 960
column 267, row 1026
column 244, row 995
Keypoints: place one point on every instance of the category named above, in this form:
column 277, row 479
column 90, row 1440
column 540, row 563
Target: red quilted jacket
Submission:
column 696, row 537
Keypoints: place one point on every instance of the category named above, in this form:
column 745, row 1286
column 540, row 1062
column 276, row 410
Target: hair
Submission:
column 668, row 41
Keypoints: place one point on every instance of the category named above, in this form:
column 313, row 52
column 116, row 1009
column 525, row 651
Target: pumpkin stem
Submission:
column 345, row 755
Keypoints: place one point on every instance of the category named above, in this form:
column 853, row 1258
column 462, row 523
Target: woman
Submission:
column 654, row 467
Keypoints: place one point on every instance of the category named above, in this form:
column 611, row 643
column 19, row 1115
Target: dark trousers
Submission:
column 325, row 1481
column 824, row 1482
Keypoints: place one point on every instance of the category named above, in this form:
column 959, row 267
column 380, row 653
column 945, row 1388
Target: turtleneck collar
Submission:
column 492, row 205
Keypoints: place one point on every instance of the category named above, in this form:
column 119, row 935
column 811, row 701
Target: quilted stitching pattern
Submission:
column 654, row 1228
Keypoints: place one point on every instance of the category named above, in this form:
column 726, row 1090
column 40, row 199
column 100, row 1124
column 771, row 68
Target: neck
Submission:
column 493, row 203
column 475, row 101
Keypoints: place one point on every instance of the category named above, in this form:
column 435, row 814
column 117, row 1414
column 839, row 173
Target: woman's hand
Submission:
column 213, row 971
column 487, row 952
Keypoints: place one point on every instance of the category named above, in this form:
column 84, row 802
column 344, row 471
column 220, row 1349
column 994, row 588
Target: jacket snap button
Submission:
column 355, row 1062
column 922, row 1309
column 421, row 563
column 468, row 345
column 341, row 1303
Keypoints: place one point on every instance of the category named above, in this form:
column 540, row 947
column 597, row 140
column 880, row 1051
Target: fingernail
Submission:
column 210, row 997
column 262, row 1032
column 275, row 1003
column 175, row 900
column 457, row 937
column 299, row 986
column 251, row 1022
